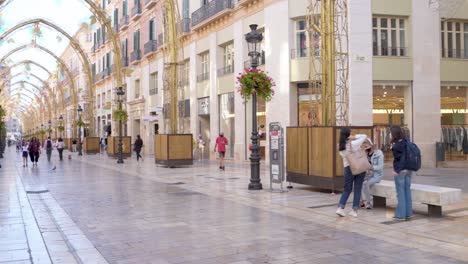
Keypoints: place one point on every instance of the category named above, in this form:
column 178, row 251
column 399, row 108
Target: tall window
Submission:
column 125, row 48
column 301, row 38
column 136, row 40
column 137, row 89
column 205, row 62
column 454, row 39
column 186, row 9
column 228, row 56
column 116, row 18
column 153, row 83
column 389, row 36
column 151, row 30
column 124, row 8
column 186, row 72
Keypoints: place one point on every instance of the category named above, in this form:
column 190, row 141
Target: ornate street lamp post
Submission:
column 61, row 125
column 254, row 39
column 120, row 93
column 42, row 133
column 80, row 144
column 50, row 126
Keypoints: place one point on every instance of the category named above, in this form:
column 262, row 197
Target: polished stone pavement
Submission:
column 92, row 210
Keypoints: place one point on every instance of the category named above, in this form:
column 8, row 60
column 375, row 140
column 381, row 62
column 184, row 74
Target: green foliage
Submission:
column 120, row 115
column 255, row 81
column 80, row 123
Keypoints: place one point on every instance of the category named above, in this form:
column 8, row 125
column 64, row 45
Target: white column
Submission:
column 426, row 76
column 214, row 111
column 360, row 63
column 239, row 106
column 193, row 90
column 408, row 106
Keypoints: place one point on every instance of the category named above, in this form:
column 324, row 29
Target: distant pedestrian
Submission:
column 60, row 146
column 74, row 142
column 103, row 144
column 49, row 147
column 137, row 147
column 374, row 175
column 24, row 149
column 34, row 150
column 220, row 146
column 349, row 144
column 401, row 175
column 201, row 146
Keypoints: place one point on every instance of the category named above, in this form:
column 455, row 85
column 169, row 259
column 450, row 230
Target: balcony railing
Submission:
column 107, row 72
column 136, row 11
column 124, row 22
column 209, row 10
column 261, row 61
column 390, row 51
column 149, row 3
column 186, row 25
column 303, row 53
column 67, row 99
column 455, row 54
column 161, row 39
column 95, row 47
column 153, row 91
column 116, row 27
column 135, row 56
column 124, row 61
column 150, row 46
column 226, row 70
column 203, row 77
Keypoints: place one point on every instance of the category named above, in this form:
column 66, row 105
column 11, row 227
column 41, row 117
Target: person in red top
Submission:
column 221, row 143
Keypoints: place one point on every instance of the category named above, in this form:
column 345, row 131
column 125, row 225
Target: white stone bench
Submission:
column 435, row 197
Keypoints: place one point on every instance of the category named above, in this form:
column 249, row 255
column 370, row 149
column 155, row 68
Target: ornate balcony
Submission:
column 124, row 61
column 214, row 9
column 226, row 70
column 203, row 77
column 124, row 22
column 136, row 12
column 150, row 3
column 150, row 47
column 135, row 56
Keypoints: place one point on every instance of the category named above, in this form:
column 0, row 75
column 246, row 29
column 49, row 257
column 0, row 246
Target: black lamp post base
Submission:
column 255, row 186
column 120, row 161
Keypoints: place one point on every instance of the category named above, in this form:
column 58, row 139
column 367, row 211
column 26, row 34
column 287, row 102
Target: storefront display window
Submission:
column 227, row 120
column 309, row 110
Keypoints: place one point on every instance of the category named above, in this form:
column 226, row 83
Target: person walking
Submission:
column 34, row 150
column 349, row 144
column 103, row 145
column 60, row 146
column 201, row 146
column 401, row 176
column 137, row 147
column 24, row 150
column 376, row 158
column 221, row 143
column 74, row 142
column 49, row 147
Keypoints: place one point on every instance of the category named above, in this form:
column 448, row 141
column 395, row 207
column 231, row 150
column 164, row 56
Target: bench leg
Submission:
column 434, row 210
column 379, row 201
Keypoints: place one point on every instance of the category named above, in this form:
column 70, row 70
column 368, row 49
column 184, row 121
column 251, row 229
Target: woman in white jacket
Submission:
column 349, row 143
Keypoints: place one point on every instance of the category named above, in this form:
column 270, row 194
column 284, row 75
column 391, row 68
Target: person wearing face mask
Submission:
column 220, row 145
column 374, row 175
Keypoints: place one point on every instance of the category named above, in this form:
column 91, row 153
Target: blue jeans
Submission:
column 404, row 208
column 349, row 181
column 366, row 188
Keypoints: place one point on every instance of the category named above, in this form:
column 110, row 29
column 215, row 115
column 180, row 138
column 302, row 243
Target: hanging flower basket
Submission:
column 255, row 81
column 80, row 123
column 61, row 128
column 120, row 115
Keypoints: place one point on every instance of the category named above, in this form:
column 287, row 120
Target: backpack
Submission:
column 49, row 144
column 412, row 157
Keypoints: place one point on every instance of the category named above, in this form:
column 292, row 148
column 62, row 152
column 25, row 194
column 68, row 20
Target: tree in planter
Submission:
column 120, row 115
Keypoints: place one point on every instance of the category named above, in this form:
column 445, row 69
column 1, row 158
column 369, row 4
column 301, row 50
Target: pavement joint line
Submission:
column 300, row 213
column 29, row 229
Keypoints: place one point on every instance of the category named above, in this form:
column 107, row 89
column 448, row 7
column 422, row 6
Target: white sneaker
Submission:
column 353, row 213
column 340, row 211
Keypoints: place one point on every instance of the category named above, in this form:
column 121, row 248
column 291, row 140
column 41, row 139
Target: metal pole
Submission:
column 255, row 182
column 120, row 159
column 80, row 144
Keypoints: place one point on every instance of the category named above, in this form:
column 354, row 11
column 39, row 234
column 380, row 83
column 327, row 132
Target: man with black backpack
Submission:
column 49, row 148
column 406, row 161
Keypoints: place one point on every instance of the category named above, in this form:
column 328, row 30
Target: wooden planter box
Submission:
column 113, row 146
column 312, row 155
column 173, row 149
column 91, row 145
column 68, row 143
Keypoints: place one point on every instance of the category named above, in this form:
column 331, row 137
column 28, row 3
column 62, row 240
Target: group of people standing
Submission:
column 32, row 149
column 362, row 182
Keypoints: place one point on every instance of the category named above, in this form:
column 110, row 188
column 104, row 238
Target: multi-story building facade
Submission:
column 406, row 66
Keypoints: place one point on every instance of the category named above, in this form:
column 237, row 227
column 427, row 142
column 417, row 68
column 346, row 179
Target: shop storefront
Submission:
column 204, row 124
column 227, row 120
